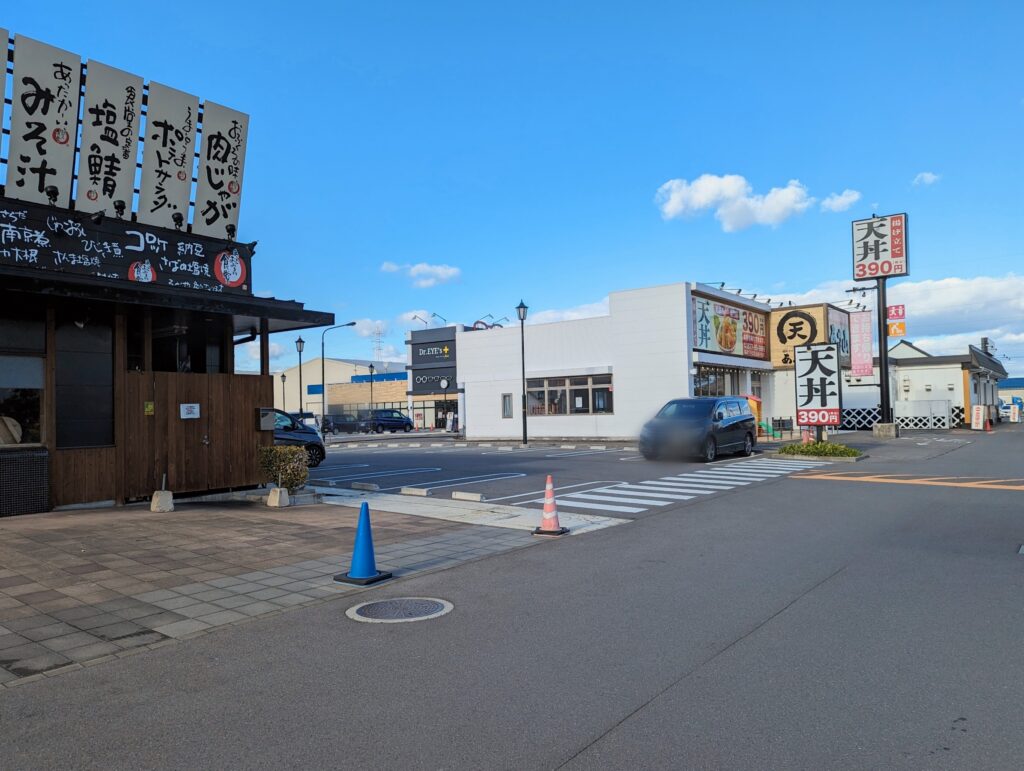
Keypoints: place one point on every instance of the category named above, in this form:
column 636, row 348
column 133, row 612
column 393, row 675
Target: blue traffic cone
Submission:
column 363, row 570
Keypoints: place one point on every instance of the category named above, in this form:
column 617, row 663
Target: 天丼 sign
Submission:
column 896, row 313
column 861, row 359
column 44, row 122
column 819, row 400
column 880, row 247
column 723, row 328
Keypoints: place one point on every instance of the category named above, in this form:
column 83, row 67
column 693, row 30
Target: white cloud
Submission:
column 736, row 205
column 840, row 201
column 407, row 320
column 926, row 178
column 586, row 311
column 391, row 353
column 252, row 350
column 367, row 327
column 424, row 274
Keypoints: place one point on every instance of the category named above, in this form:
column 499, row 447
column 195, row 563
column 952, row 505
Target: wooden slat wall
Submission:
column 165, row 442
column 83, row 476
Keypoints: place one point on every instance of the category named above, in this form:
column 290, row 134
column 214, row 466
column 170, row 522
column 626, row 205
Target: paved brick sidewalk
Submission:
column 81, row 587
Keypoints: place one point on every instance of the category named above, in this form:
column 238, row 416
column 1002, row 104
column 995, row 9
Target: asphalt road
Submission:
column 796, row 623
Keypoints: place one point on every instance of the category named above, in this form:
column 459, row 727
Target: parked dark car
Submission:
column 289, row 431
column 344, row 423
column 704, row 427
column 379, row 421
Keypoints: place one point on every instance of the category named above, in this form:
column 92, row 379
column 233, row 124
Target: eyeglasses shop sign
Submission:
column 440, row 352
column 428, row 381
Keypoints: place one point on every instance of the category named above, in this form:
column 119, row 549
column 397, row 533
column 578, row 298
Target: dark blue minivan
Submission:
column 704, row 427
column 289, row 431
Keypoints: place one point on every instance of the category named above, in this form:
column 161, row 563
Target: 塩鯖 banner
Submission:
column 861, row 359
column 44, row 122
column 167, row 155
column 110, row 141
column 221, row 165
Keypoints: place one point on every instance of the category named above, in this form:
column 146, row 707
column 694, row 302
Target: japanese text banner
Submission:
column 167, row 157
column 44, row 122
column 221, row 166
column 110, row 141
column 861, row 359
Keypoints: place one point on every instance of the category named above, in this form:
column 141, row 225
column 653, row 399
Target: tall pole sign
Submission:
column 880, row 252
column 819, row 393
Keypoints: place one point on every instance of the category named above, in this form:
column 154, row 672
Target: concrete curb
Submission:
column 370, row 486
column 462, row 495
column 829, row 458
column 420, row 491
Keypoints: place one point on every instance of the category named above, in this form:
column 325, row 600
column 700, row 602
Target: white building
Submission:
column 603, row 377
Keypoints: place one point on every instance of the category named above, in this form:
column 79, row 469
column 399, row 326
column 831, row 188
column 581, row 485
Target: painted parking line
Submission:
column 375, row 474
column 476, row 479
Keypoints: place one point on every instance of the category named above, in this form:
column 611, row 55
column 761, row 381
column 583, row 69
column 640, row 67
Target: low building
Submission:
column 1010, row 388
column 603, row 377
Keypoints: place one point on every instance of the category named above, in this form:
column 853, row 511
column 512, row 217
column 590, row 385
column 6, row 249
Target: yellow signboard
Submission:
column 803, row 325
column 897, row 328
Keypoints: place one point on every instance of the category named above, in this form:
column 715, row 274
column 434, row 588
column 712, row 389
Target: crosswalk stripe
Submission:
column 725, row 484
column 771, row 472
column 787, row 463
column 655, row 486
column 596, row 506
column 758, row 475
column 617, row 491
column 611, row 499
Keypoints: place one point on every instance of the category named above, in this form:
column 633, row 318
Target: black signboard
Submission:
column 428, row 381
column 439, row 352
column 48, row 238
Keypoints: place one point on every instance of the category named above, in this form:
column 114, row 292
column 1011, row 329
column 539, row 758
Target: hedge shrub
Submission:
column 831, row 449
column 284, row 466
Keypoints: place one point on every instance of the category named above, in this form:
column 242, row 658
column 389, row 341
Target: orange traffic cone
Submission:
column 988, row 425
column 549, row 525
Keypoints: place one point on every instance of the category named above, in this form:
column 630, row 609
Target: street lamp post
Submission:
column 284, row 394
column 371, row 398
column 521, row 313
column 300, row 344
column 323, row 370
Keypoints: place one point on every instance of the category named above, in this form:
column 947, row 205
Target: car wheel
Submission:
column 649, row 453
column 314, row 455
column 407, row 428
column 748, row 446
column 710, row 450
column 380, row 429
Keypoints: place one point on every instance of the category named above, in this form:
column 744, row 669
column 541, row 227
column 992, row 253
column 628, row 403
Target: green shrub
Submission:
column 284, row 466
column 831, row 449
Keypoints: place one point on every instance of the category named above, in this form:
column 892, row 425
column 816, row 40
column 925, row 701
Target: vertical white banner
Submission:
column 110, row 141
column 221, row 166
column 862, row 358
column 167, row 155
column 44, row 122
column 4, row 37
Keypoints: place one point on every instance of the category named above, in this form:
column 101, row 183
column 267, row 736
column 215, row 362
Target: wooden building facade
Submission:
column 107, row 385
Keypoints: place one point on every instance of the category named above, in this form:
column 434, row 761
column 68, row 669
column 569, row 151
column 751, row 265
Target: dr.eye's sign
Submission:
column 880, row 247
column 442, row 352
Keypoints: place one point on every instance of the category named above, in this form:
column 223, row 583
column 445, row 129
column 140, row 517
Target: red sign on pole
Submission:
column 896, row 313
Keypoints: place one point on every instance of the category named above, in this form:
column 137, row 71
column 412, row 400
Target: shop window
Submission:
column 21, row 396
column 585, row 395
column 506, row 405
column 84, row 378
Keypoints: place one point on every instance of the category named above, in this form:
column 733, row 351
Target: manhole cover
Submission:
column 398, row 610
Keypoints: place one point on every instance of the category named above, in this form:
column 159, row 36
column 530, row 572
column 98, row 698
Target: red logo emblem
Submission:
column 142, row 272
column 61, row 136
column 181, row 176
column 229, row 268
column 92, row 195
column 233, row 187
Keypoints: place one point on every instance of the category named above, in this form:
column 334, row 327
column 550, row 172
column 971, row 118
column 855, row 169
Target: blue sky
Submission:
column 517, row 151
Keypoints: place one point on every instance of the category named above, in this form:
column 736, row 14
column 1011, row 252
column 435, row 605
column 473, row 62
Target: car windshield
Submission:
column 685, row 409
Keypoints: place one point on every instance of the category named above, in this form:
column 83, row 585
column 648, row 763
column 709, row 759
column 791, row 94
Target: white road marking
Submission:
column 375, row 474
column 459, row 481
column 678, row 488
column 577, row 453
column 610, row 499
column 541, row 492
column 645, row 493
column 596, row 506
column 758, row 476
column 693, row 478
